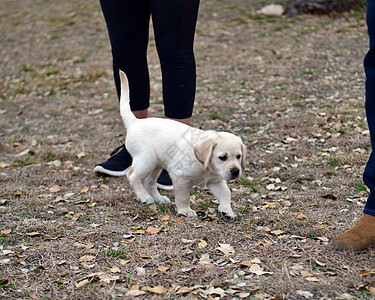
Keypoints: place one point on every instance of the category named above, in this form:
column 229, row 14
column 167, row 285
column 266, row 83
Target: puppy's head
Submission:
column 222, row 152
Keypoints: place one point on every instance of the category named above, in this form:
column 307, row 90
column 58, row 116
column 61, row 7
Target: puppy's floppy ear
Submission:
column 243, row 157
column 203, row 152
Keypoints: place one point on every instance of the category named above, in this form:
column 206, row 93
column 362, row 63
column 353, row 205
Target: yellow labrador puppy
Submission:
column 190, row 155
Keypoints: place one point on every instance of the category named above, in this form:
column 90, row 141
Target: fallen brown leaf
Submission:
column 6, row 231
column 84, row 190
column 34, row 233
column 183, row 290
column 115, row 270
column 104, row 186
column 301, row 216
column 165, row 218
column 143, row 255
column 152, row 230
column 202, row 244
column 135, row 286
column 272, row 204
column 4, row 281
column 54, row 189
column 83, row 245
column 277, row 232
column 246, row 263
column 19, row 193
column 3, row 164
column 87, row 258
column 264, row 242
column 156, row 290
column 163, row 268
column 82, row 284
column 366, row 273
column 133, row 218
column 124, row 262
column 248, row 235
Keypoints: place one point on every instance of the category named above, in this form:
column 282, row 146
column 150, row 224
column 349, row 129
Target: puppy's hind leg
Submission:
column 137, row 175
column 150, row 185
column 182, row 199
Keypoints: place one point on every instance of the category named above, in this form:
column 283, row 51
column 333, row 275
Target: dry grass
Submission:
column 291, row 88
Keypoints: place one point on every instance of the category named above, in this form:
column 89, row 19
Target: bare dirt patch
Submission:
column 292, row 88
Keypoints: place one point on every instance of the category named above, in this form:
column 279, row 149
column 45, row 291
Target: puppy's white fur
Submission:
column 190, row 155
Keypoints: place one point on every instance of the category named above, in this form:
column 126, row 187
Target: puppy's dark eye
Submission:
column 223, row 158
column 238, row 156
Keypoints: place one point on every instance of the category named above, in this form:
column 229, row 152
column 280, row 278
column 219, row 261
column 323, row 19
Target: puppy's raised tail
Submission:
column 126, row 114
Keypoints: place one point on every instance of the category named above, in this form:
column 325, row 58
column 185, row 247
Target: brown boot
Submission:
column 360, row 237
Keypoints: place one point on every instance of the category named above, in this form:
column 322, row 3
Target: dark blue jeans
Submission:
column 174, row 24
column 369, row 65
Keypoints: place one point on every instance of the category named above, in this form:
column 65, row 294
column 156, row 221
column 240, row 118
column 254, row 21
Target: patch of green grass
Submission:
column 240, row 20
column 91, row 76
column 4, row 240
column 27, row 161
column 362, row 4
column 20, row 91
column 117, row 253
column 162, row 208
column 26, row 68
column 282, row 27
column 79, row 59
column 309, row 30
column 214, row 115
column 312, row 234
column 49, row 156
column 300, row 105
column 52, row 72
column 360, row 186
column 4, row 283
column 334, row 161
column 245, row 210
column 362, row 124
column 208, row 203
column 342, row 30
column 329, row 106
column 158, row 102
column 250, row 183
column 60, row 284
column 364, row 294
column 308, row 72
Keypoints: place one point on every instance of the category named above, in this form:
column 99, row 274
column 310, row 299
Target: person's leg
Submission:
column 174, row 24
column 128, row 28
column 362, row 235
column 369, row 65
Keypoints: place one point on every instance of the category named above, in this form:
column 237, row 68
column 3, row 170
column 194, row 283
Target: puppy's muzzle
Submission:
column 235, row 172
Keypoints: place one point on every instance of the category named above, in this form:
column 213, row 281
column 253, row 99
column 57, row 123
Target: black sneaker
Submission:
column 164, row 181
column 117, row 165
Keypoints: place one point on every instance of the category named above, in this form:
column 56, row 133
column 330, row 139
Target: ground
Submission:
column 292, row 88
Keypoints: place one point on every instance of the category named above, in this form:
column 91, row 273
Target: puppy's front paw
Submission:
column 187, row 212
column 163, row 200
column 147, row 200
column 227, row 212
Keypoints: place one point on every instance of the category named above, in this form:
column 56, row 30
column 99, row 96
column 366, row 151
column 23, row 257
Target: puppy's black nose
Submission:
column 235, row 172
